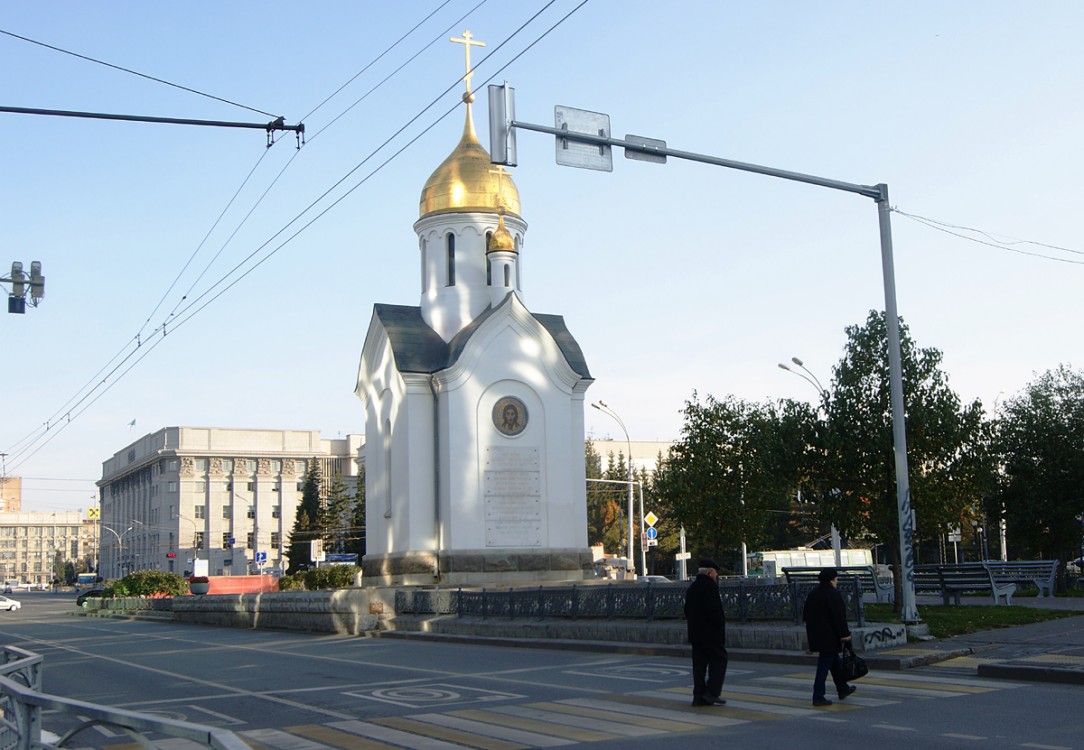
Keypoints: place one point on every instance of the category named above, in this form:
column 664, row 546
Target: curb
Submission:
column 1010, row 671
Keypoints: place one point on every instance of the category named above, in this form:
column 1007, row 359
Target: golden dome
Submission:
column 468, row 181
column 501, row 240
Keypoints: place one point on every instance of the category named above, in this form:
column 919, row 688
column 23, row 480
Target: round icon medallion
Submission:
column 510, row 416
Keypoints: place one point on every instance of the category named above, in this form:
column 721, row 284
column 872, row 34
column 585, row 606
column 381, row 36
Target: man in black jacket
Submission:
column 825, row 617
column 707, row 635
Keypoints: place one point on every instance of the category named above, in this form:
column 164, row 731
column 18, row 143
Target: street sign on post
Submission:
column 572, row 153
column 631, row 153
column 502, row 136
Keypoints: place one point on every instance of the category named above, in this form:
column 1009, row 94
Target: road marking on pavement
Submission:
column 645, row 705
column 629, row 716
column 433, row 697
column 547, row 712
column 531, row 739
column 598, row 710
column 394, row 736
column 541, row 727
column 334, row 738
column 975, row 737
column 450, row 734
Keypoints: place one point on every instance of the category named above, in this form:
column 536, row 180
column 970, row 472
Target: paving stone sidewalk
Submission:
column 1051, row 651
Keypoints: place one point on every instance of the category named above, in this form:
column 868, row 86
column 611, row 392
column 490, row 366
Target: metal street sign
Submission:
column 652, row 533
column 583, row 155
column 261, row 558
column 683, row 555
column 651, row 519
column 631, row 153
column 652, row 542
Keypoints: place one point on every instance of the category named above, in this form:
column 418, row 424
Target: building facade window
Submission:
column 171, row 486
column 250, row 540
column 251, row 511
column 201, row 464
column 276, row 511
column 227, row 540
column 227, row 511
column 251, row 487
column 227, row 465
column 199, row 540
column 299, row 467
column 276, row 465
column 250, row 464
column 199, row 511
column 276, row 539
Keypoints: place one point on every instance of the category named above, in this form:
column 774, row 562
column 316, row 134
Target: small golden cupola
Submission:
column 467, row 181
column 501, row 240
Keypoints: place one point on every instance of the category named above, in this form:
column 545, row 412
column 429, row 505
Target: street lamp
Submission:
column 120, row 544
column 814, row 381
column 605, row 409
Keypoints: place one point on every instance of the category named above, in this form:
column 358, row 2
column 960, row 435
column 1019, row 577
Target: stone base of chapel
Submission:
column 478, row 567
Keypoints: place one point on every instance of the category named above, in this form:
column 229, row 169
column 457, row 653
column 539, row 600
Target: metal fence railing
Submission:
column 743, row 601
column 22, row 704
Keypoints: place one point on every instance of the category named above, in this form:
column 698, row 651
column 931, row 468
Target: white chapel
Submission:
column 474, row 405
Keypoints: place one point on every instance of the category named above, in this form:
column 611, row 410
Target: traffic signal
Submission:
column 37, row 281
column 18, row 278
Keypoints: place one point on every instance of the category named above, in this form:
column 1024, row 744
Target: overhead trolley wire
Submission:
column 194, row 307
column 136, row 73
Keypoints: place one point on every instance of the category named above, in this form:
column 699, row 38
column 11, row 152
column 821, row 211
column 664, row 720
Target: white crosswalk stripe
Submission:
column 582, row 720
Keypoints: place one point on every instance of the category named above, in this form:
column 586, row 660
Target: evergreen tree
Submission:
column 334, row 516
column 355, row 541
column 305, row 521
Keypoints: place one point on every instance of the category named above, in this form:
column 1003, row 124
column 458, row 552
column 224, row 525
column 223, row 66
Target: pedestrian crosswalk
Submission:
column 628, row 716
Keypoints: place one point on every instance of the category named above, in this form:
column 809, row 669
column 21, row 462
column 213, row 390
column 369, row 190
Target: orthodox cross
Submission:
column 467, row 41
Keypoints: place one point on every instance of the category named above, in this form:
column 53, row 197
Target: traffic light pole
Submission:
column 503, row 126
column 19, row 282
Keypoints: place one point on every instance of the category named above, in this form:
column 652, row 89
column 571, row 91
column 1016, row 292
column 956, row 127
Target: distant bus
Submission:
column 85, row 580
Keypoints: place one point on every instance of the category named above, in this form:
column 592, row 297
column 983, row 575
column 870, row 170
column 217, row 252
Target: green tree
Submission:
column 605, row 524
column 853, row 477
column 334, row 518
column 355, row 541
column 735, row 465
column 306, row 518
column 1040, row 443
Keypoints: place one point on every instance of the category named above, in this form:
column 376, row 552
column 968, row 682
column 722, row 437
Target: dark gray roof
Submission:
column 417, row 347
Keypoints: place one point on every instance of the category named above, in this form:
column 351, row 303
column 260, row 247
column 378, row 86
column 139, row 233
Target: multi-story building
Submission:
column 33, row 544
column 183, row 498
column 11, row 494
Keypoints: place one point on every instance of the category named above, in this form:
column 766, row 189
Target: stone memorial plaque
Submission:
column 513, row 497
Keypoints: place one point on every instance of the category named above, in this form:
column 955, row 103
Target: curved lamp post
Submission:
column 814, row 381
column 605, row 409
column 120, row 543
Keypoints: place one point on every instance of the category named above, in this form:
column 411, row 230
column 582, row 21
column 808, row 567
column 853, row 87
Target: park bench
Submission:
column 1037, row 573
column 865, row 574
column 954, row 579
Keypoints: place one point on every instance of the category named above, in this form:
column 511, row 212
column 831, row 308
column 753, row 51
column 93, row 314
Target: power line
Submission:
column 192, row 309
column 991, row 240
column 135, row 73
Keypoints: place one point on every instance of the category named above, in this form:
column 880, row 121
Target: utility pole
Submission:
column 583, row 140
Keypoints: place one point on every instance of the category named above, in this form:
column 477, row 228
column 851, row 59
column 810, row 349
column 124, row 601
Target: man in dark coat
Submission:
column 707, row 635
column 825, row 617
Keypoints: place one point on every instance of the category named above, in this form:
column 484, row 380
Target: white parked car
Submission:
column 9, row 604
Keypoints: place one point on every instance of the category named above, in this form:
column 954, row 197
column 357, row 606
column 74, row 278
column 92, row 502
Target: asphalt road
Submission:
column 294, row 691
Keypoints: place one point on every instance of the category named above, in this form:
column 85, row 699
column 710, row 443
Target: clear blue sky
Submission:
column 673, row 278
